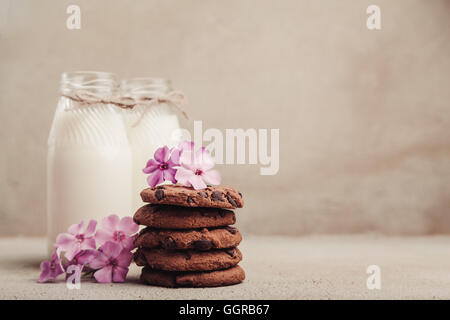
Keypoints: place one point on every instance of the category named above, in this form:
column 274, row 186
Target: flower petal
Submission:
column 169, row 175
column 86, row 256
column 203, row 160
column 127, row 226
column 174, row 159
column 55, row 256
column 90, row 229
column 183, row 175
column 111, row 249
column 101, row 236
column 88, row 243
column 162, row 154
column 71, row 251
column 98, row 260
column 212, row 177
column 124, row 259
column 128, row 243
column 197, row 182
column 75, row 228
column 104, row 275
column 155, row 178
column 111, row 222
column 187, row 161
column 45, row 272
column 119, row 274
column 64, row 241
column 151, row 166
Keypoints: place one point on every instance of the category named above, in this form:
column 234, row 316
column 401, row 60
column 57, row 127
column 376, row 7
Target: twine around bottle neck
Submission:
column 83, row 98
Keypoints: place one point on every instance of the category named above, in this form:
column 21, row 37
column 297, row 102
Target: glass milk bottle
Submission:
column 149, row 127
column 89, row 158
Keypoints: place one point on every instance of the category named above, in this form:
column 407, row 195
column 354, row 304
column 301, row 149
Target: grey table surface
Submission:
column 277, row 267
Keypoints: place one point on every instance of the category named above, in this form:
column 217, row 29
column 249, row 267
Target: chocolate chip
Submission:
column 222, row 213
column 203, row 194
column 203, row 245
column 169, row 243
column 189, row 200
column 231, row 252
column 217, row 195
column 231, row 200
column 240, row 194
column 160, row 187
column 231, row 230
column 159, row 194
column 188, row 255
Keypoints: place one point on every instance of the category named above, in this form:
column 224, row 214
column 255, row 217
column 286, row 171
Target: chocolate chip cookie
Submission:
column 216, row 278
column 198, row 239
column 173, row 217
column 178, row 195
column 188, row 260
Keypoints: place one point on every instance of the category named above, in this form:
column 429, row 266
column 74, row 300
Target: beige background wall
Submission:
column 364, row 116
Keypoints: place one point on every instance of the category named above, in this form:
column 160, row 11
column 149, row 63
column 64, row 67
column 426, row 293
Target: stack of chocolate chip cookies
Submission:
column 188, row 240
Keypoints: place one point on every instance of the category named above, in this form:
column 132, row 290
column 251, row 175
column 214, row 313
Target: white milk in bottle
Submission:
column 149, row 127
column 89, row 157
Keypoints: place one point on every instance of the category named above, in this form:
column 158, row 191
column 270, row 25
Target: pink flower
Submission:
column 161, row 168
column 182, row 146
column 50, row 270
column 75, row 241
column 112, row 262
column 81, row 259
column 196, row 168
column 117, row 230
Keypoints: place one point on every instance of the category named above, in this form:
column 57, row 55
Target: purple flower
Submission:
column 50, row 270
column 161, row 168
column 117, row 230
column 196, row 169
column 76, row 240
column 112, row 263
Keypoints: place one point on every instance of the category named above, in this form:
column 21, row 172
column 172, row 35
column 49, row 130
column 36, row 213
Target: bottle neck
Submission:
column 101, row 83
column 138, row 87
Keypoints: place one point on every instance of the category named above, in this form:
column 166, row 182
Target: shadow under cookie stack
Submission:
column 188, row 240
